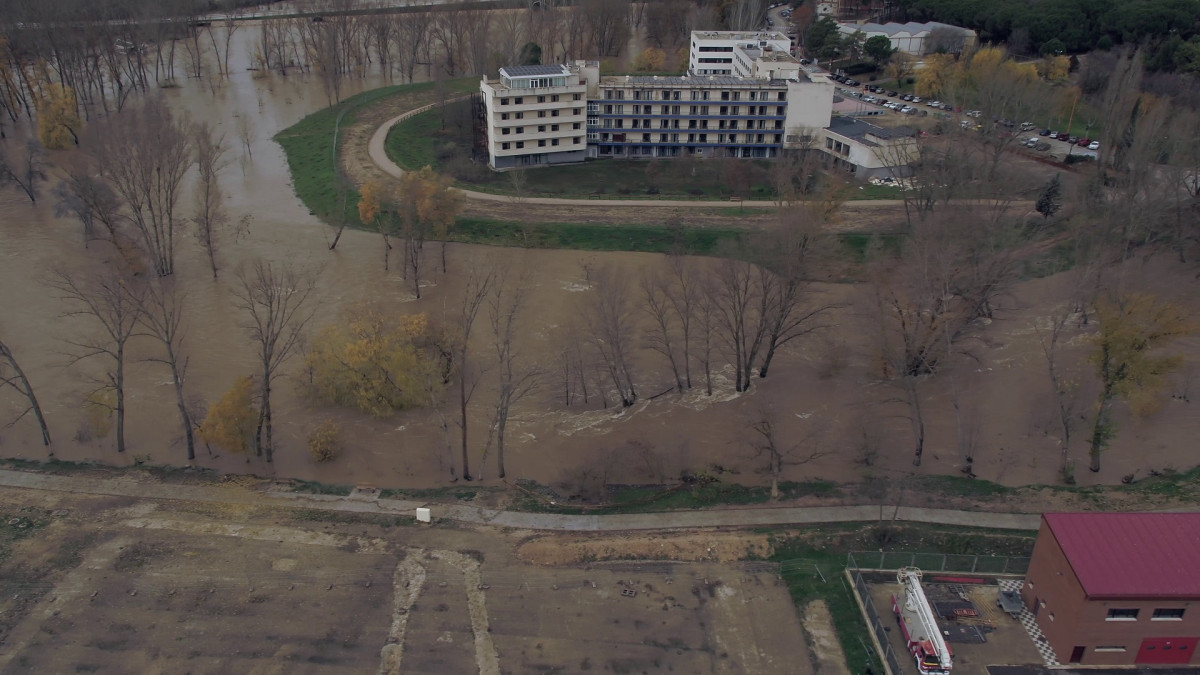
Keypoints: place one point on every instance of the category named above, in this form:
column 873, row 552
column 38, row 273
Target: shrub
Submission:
column 325, row 442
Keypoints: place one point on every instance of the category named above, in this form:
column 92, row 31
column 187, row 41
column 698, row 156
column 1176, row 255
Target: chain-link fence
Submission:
column 938, row 562
column 890, row 659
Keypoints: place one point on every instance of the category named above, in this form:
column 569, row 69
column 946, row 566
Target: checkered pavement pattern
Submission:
column 1030, row 623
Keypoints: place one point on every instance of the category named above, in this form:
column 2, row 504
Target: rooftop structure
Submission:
column 915, row 38
column 1121, row 555
column 736, row 52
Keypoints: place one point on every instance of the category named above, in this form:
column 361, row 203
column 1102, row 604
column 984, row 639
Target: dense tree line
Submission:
column 1075, row 26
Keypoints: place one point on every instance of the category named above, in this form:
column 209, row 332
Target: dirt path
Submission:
column 723, row 517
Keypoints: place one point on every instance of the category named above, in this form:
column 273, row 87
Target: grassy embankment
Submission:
column 308, row 145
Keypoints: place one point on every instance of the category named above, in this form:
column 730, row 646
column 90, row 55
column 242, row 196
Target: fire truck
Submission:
column 919, row 625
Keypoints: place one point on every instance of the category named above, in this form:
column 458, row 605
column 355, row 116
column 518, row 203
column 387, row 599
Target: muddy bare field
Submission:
column 116, row 585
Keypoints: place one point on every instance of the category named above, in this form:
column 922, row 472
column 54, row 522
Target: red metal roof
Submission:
column 1124, row 555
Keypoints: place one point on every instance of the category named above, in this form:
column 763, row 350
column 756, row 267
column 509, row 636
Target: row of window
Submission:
column 541, row 113
column 692, row 124
column 541, row 144
column 553, row 98
column 693, row 138
column 696, row 95
column 504, row 131
column 714, row 49
column 724, row 110
column 1160, row 614
column 714, row 60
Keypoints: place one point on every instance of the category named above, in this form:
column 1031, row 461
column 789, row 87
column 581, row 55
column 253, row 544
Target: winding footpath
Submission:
column 144, row 487
column 378, row 153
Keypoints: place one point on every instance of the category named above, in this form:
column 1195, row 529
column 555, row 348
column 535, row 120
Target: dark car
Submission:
column 1045, row 132
column 852, row 83
column 892, row 94
column 1084, row 142
column 1042, row 146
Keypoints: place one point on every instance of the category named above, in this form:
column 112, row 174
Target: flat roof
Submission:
column 852, row 128
column 1131, row 555
column 739, row 35
column 534, row 71
column 691, row 81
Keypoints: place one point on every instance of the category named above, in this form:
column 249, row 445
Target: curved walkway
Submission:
column 662, row 520
column 376, row 150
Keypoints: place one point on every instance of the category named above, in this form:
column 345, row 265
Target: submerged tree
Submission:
column 275, row 300
column 115, row 303
column 11, row 375
column 1132, row 328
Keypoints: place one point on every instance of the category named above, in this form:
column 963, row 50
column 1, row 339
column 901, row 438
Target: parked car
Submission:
column 852, row 83
column 1031, row 142
column 1094, row 145
column 1084, row 142
column 934, row 104
column 892, row 94
column 1045, row 132
column 974, row 113
column 915, row 99
column 1042, row 146
column 1053, row 134
column 908, row 110
column 947, row 106
column 1027, row 126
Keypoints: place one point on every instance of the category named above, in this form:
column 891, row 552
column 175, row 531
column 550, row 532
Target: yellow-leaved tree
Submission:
column 231, row 421
column 1133, row 328
column 58, row 116
column 1055, row 68
column 938, row 76
column 370, row 363
column 429, row 205
column 651, row 60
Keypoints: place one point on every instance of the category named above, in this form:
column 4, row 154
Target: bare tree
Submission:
column 515, row 379
column 664, row 334
column 275, row 300
column 23, row 166
column 161, row 314
column 211, row 216
column 88, row 198
column 611, row 331
column 115, row 303
column 11, row 375
column 145, row 154
column 475, row 293
column 778, row 454
column 737, row 302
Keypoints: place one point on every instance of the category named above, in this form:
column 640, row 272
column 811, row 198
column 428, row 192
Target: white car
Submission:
column 934, row 104
column 1094, row 145
column 974, row 113
column 908, row 110
column 916, row 99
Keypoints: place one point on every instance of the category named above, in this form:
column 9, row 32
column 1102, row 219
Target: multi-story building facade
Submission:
column 536, row 115
column 651, row 116
column 1117, row 588
column 541, row 115
column 733, row 52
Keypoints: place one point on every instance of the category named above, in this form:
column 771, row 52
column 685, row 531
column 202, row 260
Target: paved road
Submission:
column 132, row 486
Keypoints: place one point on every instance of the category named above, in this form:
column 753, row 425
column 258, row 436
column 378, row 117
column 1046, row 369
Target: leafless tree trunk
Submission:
column 766, row 425
column 611, row 331
column 90, row 200
column 24, row 168
column 737, row 302
column 115, row 303
column 514, row 380
column 145, row 154
column 275, row 300
column 11, row 375
column 475, row 293
column 162, row 317
column 210, row 216
column 663, row 336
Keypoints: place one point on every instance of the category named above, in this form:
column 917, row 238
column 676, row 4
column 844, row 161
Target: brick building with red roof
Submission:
column 1117, row 588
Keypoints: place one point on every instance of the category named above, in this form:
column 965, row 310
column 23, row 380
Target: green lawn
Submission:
column 308, row 145
column 591, row 237
column 442, row 139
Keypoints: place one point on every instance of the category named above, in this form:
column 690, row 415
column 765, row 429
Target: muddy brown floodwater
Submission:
column 1002, row 390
